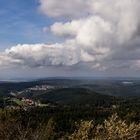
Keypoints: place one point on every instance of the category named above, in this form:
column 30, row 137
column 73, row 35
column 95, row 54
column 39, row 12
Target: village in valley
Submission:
column 15, row 101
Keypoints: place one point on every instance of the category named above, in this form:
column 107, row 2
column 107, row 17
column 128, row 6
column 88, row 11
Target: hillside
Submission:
column 72, row 95
column 121, row 88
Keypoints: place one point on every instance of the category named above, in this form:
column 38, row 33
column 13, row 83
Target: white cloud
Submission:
column 65, row 8
column 42, row 55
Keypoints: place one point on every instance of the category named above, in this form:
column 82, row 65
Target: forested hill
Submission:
column 73, row 95
column 121, row 88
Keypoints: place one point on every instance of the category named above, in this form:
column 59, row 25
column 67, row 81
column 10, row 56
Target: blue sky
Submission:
column 83, row 37
column 21, row 22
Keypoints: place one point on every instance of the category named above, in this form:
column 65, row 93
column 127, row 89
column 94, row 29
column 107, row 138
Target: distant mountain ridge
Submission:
column 105, row 87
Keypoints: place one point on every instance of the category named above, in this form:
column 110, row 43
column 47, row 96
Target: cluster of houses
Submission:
column 41, row 88
column 14, row 101
column 30, row 102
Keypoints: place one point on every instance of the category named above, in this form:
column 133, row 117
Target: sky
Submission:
column 48, row 38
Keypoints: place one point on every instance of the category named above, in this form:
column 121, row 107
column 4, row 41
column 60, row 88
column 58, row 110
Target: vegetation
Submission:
column 67, row 113
column 112, row 129
column 68, row 123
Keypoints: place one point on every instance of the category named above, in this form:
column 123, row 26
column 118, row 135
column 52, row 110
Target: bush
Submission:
column 112, row 129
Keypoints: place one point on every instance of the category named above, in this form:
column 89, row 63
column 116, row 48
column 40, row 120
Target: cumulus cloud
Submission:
column 40, row 55
column 105, row 34
column 65, row 8
column 112, row 27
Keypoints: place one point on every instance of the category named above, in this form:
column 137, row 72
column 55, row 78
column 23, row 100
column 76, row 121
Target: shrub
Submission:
column 112, row 129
